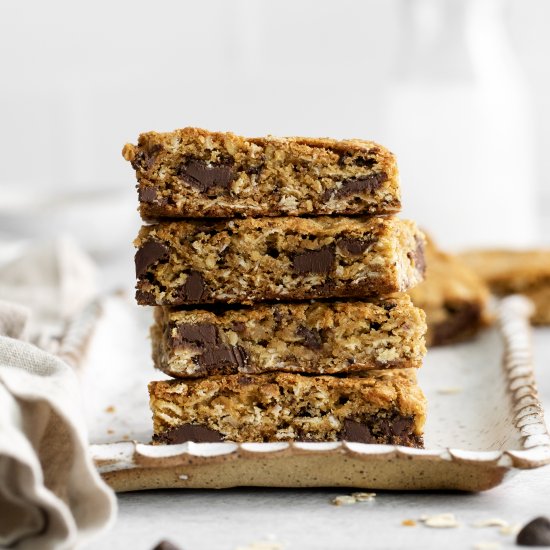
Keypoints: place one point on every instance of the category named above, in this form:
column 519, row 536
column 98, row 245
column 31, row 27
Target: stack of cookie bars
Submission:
column 276, row 265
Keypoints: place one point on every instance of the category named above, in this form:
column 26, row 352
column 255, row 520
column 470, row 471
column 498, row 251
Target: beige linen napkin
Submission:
column 50, row 493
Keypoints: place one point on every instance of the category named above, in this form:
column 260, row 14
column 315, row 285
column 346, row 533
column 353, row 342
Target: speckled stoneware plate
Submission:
column 485, row 421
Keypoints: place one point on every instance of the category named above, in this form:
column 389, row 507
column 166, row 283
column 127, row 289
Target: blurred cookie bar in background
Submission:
column 525, row 272
column 454, row 298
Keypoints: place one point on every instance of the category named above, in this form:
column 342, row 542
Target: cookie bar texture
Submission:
column 385, row 407
column 314, row 338
column 195, row 173
column 251, row 260
column 524, row 272
column 454, row 298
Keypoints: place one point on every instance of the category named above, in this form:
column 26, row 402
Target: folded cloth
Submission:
column 55, row 279
column 51, row 496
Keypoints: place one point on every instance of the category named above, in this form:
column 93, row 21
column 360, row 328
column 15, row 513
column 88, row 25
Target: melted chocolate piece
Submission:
column 193, row 288
column 311, row 337
column 353, row 186
column 222, row 355
column 203, row 334
column 205, row 177
column 354, row 246
column 188, row 432
column 145, row 298
column 148, row 254
column 399, row 427
column 314, row 261
column 535, row 533
column 355, row 431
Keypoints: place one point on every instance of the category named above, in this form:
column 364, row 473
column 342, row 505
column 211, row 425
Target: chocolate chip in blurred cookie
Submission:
column 166, row 545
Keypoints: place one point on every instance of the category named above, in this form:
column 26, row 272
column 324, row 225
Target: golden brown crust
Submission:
column 286, row 407
column 252, row 260
column 265, row 176
column 454, row 298
column 314, row 338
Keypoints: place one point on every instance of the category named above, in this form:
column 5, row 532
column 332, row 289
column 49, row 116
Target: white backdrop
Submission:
column 79, row 79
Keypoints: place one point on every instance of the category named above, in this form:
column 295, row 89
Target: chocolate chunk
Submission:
column 314, row 261
column 354, row 246
column 369, row 183
column 312, row 338
column 166, row 545
column 145, row 298
column 147, row 194
column 462, row 320
column 355, row 431
column 202, row 334
column 222, row 355
column 205, row 177
column 148, row 254
column 238, row 326
column 245, row 380
column 188, row 432
column 535, row 533
column 150, row 195
column 395, row 427
column 145, row 158
column 193, row 288
column 402, row 426
column 363, row 161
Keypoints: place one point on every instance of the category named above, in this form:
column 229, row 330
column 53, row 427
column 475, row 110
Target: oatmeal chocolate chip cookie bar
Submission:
column 193, row 173
column 251, row 260
column 454, row 298
column 524, row 272
column 313, row 338
column 385, row 407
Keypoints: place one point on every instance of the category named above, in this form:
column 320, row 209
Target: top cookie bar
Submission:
column 193, row 173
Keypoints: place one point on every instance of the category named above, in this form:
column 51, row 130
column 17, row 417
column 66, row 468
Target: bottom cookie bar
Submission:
column 384, row 407
column 454, row 298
